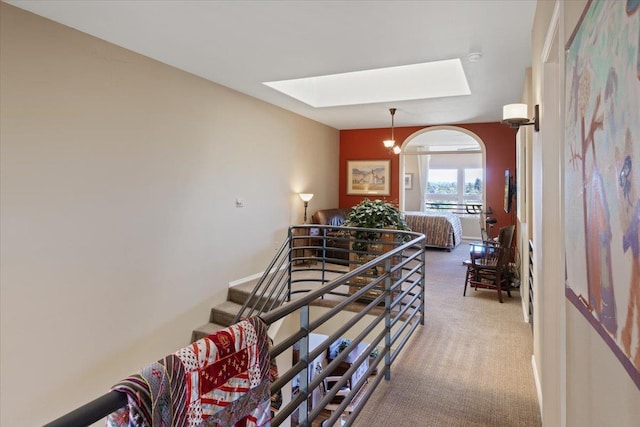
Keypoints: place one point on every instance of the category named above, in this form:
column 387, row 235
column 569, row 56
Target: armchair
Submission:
column 337, row 244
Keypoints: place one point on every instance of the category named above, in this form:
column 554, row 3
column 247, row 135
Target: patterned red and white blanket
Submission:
column 219, row 380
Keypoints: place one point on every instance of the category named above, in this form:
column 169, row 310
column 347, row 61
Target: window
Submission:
column 454, row 179
column 448, row 165
column 472, row 185
column 442, row 184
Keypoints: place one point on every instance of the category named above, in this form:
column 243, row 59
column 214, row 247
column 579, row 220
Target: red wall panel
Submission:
column 366, row 144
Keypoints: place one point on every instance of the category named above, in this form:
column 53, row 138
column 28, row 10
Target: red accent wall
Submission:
column 366, row 144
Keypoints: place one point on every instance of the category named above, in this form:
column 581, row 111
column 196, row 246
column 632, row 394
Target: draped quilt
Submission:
column 220, row 380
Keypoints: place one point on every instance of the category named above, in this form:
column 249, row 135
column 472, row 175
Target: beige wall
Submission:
column 591, row 382
column 412, row 198
column 119, row 225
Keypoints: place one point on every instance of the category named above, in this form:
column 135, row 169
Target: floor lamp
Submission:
column 305, row 198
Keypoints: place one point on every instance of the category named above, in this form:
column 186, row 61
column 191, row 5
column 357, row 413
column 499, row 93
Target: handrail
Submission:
column 276, row 314
column 471, row 208
column 93, row 411
column 270, row 284
column 269, row 290
column 386, row 322
column 389, row 352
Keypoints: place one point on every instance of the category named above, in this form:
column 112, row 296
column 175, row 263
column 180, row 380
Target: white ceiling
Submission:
column 240, row 44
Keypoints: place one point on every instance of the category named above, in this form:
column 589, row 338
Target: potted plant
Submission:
column 366, row 245
column 373, row 214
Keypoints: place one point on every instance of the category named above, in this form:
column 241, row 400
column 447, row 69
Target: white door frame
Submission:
column 431, row 129
column 548, row 229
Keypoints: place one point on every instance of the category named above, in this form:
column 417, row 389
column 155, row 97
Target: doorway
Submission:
column 444, row 164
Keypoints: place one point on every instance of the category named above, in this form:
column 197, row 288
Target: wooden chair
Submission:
column 484, row 235
column 488, row 265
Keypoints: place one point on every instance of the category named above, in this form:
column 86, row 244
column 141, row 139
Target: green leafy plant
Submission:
column 373, row 214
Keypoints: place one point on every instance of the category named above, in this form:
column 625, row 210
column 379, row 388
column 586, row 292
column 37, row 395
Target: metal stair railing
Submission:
column 384, row 323
column 269, row 292
column 276, row 285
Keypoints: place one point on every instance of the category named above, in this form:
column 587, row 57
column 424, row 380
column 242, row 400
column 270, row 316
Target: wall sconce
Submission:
column 390, row 144
column 516, row 115
column 305, row 198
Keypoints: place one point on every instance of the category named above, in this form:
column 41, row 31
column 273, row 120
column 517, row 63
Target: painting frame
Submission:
column 601, row 195
column 408, row 181
column 369, row 177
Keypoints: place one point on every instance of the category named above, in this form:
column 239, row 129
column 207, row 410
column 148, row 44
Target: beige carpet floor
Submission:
column 469, row 365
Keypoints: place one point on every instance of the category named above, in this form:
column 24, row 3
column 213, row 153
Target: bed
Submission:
column 441, row 229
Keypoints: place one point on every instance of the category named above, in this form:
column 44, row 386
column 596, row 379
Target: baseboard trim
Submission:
column 536, row 379
column 245, row 279
column 249, row 278
column 525, row 314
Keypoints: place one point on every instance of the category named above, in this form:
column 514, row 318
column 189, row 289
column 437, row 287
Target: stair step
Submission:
column 224, row 313
column 204, row 330
column 238, row 294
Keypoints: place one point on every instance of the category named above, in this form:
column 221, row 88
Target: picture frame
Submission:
column 369, row 177
column 508, row 191
column 408, row 181
column 600, row 203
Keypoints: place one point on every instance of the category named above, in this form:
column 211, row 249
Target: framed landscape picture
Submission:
column 368, row 177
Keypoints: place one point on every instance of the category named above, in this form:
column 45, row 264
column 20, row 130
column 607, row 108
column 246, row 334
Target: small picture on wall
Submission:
column 408, row 181
column 368, row 177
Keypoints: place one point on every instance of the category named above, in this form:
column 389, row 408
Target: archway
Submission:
column 446, row 164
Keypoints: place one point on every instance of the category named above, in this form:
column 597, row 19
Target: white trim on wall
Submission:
column 406, row 142
column 550, row 300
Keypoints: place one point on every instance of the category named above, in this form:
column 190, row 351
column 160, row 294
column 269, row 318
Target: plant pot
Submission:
column 384, row 245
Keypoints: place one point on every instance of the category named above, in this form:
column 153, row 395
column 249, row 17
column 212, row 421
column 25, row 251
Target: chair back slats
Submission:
column 505, row 236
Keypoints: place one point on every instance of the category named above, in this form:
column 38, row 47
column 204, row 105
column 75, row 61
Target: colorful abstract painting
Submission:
column 602, row 175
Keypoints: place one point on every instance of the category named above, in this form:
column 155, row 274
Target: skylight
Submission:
column 406, row 82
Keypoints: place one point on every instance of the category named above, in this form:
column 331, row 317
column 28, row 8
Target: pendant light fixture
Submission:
column 390, row 144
